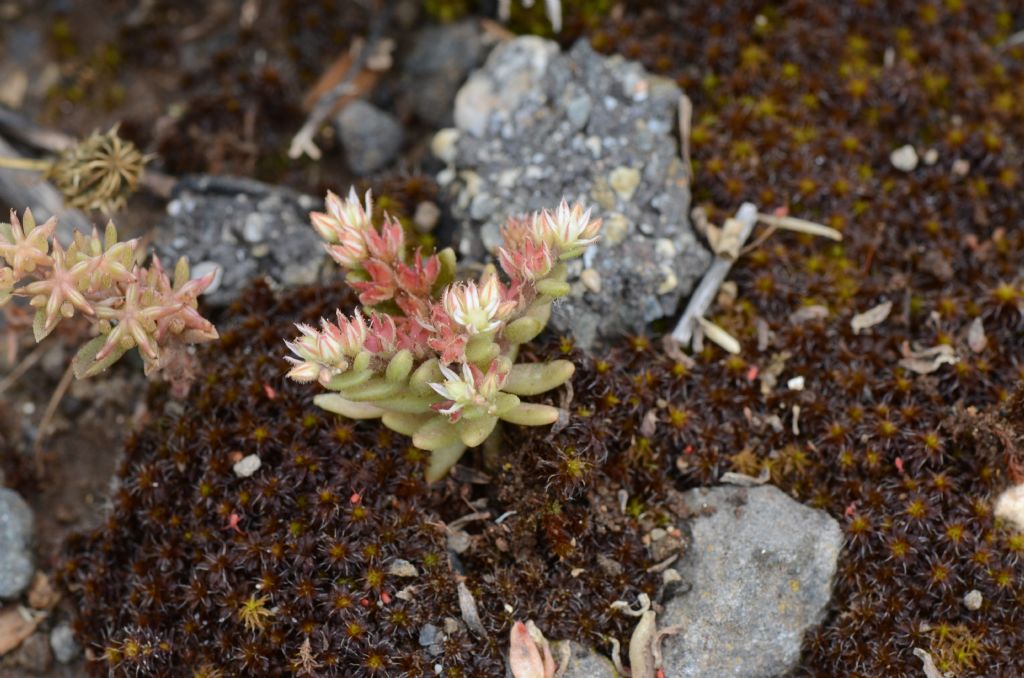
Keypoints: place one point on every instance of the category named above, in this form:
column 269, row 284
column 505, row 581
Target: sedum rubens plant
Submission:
column 98, row 278
column 435, row 358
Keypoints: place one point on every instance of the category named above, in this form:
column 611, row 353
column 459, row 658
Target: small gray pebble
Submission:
column 973, row 600
column 62, row 642
column 16, row 530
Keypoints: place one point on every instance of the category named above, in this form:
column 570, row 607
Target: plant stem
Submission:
column 51, row 410
column 21, row 368
column 28, row 164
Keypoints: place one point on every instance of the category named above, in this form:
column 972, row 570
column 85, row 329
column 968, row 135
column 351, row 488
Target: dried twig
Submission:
column 24, row 366
column 16, row 126
column 800, row 226
column 705, row 293
column 303, row 142
column 50, row 411
column 685, row 125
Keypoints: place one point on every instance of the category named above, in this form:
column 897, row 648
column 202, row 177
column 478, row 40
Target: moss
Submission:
column 250, row 569
column 884, row 450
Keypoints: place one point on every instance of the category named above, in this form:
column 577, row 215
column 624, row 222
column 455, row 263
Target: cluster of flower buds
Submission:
column 98, row 278
column 432, row 357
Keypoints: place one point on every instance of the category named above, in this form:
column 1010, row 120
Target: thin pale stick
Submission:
column 700, row 300
column 22, row 367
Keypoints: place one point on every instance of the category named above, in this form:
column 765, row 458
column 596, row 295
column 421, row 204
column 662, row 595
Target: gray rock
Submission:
column 33, row 655
column 16, row 530
column 761, row 568
column 62, row 642
column 585, row 663
column 535, row 125
column 245, row 229
column 440, row 59
column 372, row 137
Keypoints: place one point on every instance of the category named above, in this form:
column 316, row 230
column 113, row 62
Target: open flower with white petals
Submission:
column 476, row 307
column 470, row 394
column 569, row 230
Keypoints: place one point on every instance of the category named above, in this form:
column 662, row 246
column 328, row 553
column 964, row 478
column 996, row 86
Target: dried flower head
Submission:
column 99, row 173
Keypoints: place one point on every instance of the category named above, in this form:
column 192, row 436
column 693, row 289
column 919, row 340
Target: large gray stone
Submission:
column 62, row 642
column 16, row 525
column 438, row 63
column 534, row 125
column 372, row 138
column 243, row 227
column 761, row 568
column 586, row 663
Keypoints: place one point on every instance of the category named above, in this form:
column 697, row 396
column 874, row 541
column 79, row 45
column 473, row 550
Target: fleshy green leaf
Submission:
column 539, row 310
column 399, row 367
column 522, row 330
column 109, row 236
column 503, row 402
column 473, row 432
column 442, row 459
column 531, row 414
column 409, row 403
column 181, row 272
column 361, row 361
column 527, row 379
column 427, row 373
column 553, row 288
column 372, row 389
column 332, row 402
column 406, row 424
column 85, row 364
column 448, row 268
column 436, row 434
column 481, row 349
column 348, row 380
column 39, row 325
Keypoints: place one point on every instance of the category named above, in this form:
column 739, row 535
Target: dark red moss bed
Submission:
column 161, row 588
column 796, row 108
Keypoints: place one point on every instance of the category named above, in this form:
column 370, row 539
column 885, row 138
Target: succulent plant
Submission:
column 98, row 278
column 432, row 357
